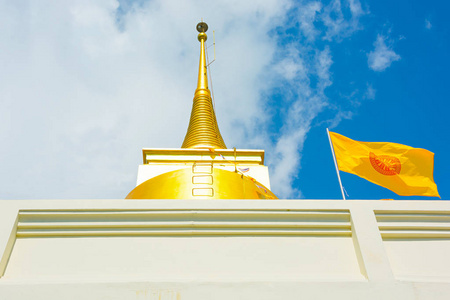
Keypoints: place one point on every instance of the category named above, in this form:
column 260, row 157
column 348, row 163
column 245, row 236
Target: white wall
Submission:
column 224, row 249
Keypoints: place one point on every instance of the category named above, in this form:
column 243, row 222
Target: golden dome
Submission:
column 187, row 184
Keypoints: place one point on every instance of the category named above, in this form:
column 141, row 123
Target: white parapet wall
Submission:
column 224, row 249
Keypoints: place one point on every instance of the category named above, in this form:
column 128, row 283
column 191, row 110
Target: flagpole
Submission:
column 335, row 165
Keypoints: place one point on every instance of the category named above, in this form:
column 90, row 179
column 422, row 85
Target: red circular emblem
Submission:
column 385, row 164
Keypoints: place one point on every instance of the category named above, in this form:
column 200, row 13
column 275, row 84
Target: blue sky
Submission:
column 87, row 84
column 411, row 95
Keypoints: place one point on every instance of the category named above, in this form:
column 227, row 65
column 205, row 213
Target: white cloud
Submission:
column 428, row 24
column 304, row 102
column 338, row 26
column 341, row 115
column 382, row 56
column 87, row 84
column 332, row 20
column 307, row 15
column 353, row 101
column 370, row 92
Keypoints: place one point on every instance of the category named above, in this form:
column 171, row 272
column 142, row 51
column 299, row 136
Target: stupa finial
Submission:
column 203, row 131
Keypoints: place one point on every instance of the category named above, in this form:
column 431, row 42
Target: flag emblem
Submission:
column 385, row 164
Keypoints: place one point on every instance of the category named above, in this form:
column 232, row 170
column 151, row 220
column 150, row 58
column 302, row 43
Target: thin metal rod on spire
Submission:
column 210, row 78
column 335, row 165
column 235, row 160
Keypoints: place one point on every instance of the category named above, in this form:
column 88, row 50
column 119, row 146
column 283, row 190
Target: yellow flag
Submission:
column 404, row 170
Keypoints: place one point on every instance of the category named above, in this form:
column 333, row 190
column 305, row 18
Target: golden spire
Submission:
column 203, row 131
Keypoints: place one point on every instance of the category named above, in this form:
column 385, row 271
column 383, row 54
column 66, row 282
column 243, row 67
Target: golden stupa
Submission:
column 203, row 168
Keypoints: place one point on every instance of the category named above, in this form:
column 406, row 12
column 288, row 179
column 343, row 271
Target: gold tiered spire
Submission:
column 195, row 172
column 203, row 131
